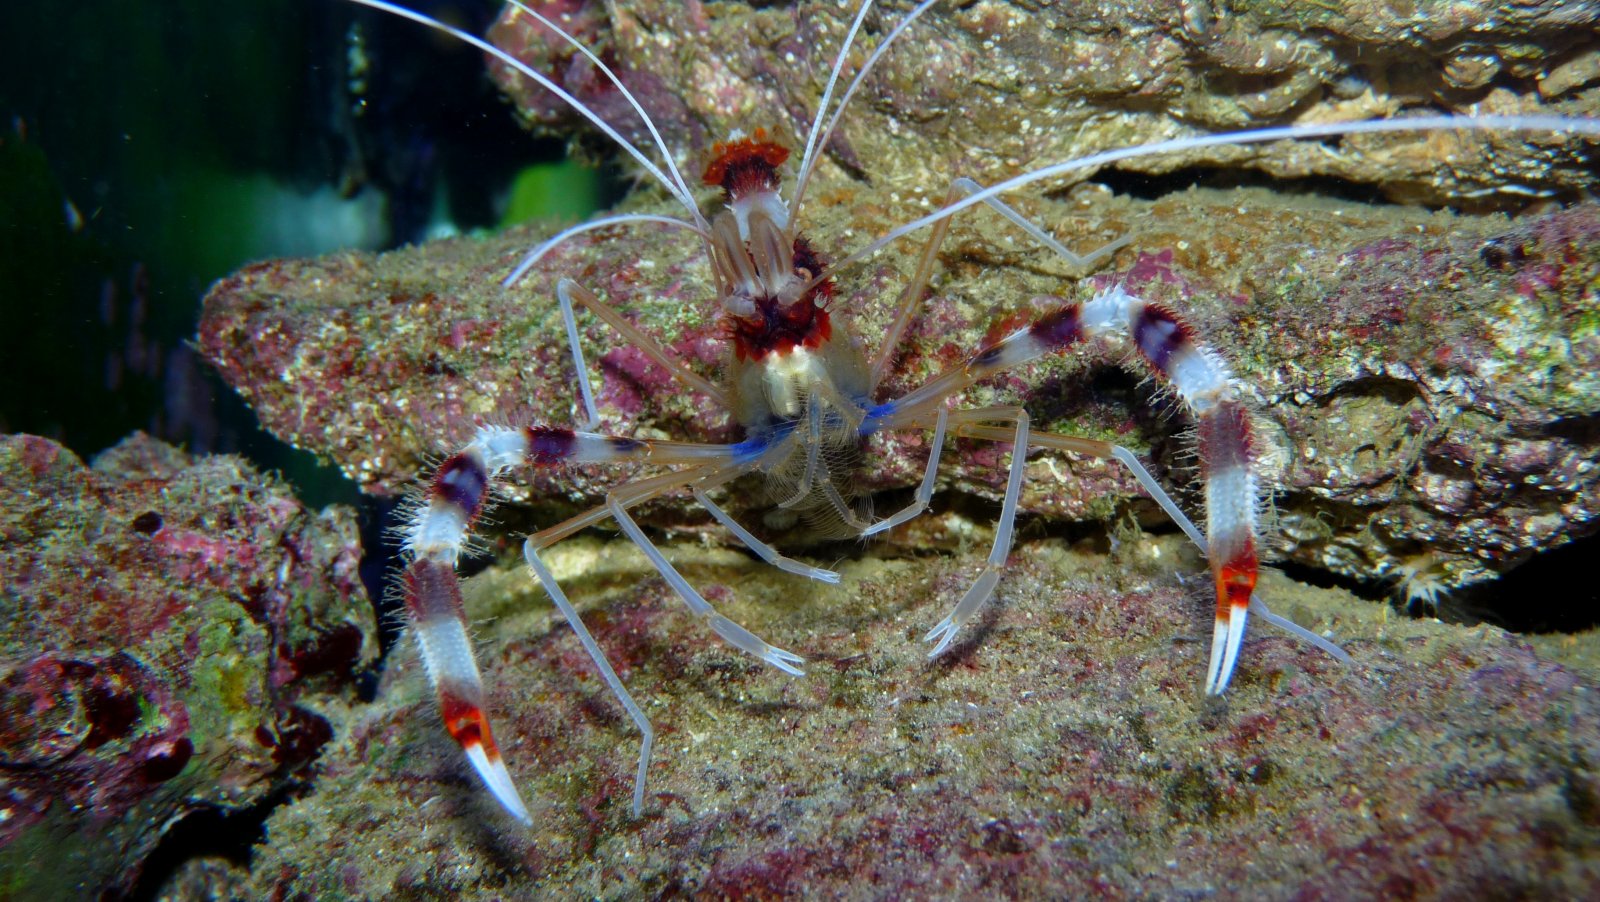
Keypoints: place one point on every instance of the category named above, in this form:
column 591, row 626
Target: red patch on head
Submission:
column 746, row 165
column 775, row 329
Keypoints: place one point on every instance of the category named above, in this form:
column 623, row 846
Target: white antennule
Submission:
column 1579, row 124
column 810, row 162
column 666, row 154
column 535, row 255
column 673, row 188
column 827, row 94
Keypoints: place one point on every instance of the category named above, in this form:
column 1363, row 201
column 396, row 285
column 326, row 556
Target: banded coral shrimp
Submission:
column 805, row 428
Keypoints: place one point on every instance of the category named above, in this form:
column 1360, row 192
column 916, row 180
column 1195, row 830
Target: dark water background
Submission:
column 149, row 148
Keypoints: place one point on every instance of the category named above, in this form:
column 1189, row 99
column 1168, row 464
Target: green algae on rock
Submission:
column 175, row 635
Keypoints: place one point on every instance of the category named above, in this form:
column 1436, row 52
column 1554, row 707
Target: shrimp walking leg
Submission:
column 911, row 296
column 439, row 529
column 1167, row 348
column 547, row 580
column 569, row 293
column 989, row 578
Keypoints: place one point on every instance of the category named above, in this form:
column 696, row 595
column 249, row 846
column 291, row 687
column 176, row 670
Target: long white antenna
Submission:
column 1254, row 136
column 661, row 145
column 672, row 188
column 827, row 95
column 535, row 255
column 833, row 121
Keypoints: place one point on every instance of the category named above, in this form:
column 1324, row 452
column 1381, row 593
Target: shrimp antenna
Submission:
column 810, row 161
column 827, row 93
column 673, row 188
column 537, row 254
column 1579, row 124
column 661, row 145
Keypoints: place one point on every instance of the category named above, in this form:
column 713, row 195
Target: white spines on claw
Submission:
column 1167, row 346
column 434, row 541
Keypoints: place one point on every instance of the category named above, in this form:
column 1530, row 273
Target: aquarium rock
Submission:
column 177, row 635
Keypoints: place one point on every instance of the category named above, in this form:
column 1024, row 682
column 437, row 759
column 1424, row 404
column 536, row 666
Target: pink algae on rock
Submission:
column 990, row 89
column 1412, row 374
column 1062, row 751
column 1411, row 365
column 177, row 634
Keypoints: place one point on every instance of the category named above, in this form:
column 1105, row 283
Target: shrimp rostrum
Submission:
column 804, row 393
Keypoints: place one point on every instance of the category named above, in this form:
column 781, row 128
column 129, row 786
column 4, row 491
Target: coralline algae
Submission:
column 1421, row 372
column 176, row 635
column 991, row 88
column 1063, row 750
column 1427, row 374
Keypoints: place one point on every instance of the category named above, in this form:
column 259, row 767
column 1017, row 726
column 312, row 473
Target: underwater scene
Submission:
column 614, row 449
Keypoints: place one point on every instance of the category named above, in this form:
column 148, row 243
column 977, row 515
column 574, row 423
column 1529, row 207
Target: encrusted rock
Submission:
column 176, row 634
column 1430, row 376
column 989, row 89
column 1427, row 381
column 1427, row 376
column 1063, row 750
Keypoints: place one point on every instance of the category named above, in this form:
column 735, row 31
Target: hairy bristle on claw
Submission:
column 1160, row 335
column 1059, row 329
column 432, row 591
column 462, row 482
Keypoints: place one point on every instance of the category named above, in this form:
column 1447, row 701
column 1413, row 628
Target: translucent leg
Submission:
column 968, row 186
column 1260, row 609
column 911, row 297
column 1094, row 448
column 570, row 292
column 569, row 319
column 919, row 501
column 762, row 549
column 548, row 581
column 985, row 585
column 733, row 633
column 813, row 454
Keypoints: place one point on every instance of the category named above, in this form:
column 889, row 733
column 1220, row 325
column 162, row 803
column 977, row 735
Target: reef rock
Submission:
column 991, row 88
column 1061, row 750
column 1428, row 379
column 177, row 634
